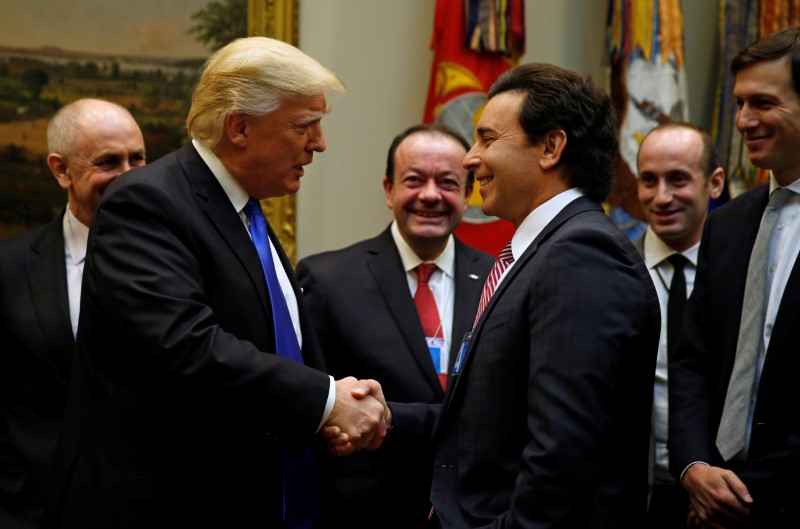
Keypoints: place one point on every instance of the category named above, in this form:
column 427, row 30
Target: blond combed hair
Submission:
column 253, row 76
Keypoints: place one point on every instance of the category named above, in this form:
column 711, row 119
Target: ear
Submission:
column 553, row 145
column 58, row 166
column 716, row 182
column 236, row 129
column 388, row 185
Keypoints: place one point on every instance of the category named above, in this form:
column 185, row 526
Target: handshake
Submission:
column 360, row 417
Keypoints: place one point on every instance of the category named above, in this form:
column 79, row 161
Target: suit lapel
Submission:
column 386, row 268
column 469, row 282
column 579, row 205
column 46, row 274
column 217, row 207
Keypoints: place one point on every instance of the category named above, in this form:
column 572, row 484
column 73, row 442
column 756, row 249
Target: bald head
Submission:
column 91, row 142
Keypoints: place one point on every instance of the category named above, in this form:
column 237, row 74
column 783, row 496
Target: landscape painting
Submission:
column 145, row 55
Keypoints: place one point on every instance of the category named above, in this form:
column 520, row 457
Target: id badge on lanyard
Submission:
column 462, row 353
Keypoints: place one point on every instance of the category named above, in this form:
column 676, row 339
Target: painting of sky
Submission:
column 141, row 28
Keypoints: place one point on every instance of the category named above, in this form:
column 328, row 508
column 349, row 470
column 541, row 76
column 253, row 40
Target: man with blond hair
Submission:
column 199, row 386
column 90, row 142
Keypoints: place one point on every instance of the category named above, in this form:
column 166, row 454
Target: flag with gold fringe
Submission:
column 474, row 41
column 742, row 22
column 648, row 87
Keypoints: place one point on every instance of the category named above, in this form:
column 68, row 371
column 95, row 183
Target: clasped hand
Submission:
column 360, row 417
column 719, row 499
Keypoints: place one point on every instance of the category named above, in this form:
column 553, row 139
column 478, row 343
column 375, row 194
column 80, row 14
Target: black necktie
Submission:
column 676, row 302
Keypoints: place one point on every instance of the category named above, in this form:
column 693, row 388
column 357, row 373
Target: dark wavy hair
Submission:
column 779, row 44
column 559, row 99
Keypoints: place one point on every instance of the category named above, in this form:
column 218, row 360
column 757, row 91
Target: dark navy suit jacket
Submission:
column 179, row 408
column 702, row 366
column 368, row 327
column 547, row 424
column 38, row 347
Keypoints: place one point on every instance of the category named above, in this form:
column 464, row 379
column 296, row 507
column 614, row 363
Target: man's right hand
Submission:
column 359, row 416
column 719, row 499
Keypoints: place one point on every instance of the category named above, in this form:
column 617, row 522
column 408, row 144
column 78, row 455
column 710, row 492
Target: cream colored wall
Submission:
column 379, row 48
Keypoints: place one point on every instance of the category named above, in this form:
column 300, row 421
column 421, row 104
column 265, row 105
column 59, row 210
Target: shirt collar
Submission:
column 233, row 189
column 76, row 236
column 537, row 219
column 656, row 250
column 773, row 185
column 445, row 260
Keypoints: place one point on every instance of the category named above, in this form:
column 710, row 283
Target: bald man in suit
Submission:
column 90, row 142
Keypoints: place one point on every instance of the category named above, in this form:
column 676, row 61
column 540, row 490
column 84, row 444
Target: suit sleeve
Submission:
column 593, row 330
column 165, row 281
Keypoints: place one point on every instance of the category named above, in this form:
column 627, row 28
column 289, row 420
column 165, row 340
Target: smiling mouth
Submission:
column 483, row 180
column 429, row 214
column 663, row 214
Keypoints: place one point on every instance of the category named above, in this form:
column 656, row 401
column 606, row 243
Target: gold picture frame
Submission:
column 277, row 19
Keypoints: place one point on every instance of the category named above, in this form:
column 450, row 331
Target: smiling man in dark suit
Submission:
column 546, row 419
column 362, row 300
column 90, row 142
column 198, row 387
column 734, row 426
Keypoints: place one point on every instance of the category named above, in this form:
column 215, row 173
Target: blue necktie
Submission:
column 299, row 499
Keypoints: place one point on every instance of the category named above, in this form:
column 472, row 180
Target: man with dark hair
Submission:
column 90, row 143
column 367, row 308
column 678, row 175
column 734, row 433
column 547, row 415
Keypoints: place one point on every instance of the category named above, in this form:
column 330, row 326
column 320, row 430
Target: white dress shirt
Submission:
column 536, row 221
column 442, row 283
column 76, row 237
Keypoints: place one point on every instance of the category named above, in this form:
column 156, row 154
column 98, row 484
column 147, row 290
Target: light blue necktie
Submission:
column 299, row 498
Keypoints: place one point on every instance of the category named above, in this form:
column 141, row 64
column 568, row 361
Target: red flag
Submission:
column 471, row 49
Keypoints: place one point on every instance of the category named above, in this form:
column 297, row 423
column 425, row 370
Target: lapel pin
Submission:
column 473, row 276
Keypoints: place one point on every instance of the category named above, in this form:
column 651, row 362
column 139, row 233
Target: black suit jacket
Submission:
column 547, row 423
column 369, row 328
column 701, row 368
column 178, row 406
column 38, row 347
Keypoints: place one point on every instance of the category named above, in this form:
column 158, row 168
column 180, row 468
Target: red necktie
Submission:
column 429, row 316
column 504, row 260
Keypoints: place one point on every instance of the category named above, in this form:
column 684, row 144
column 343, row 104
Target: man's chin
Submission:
column 430, row 231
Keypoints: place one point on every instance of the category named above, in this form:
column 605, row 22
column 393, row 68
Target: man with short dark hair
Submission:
column 547, row 415
column 367, row 308
column 734, row 432
column 678, row 174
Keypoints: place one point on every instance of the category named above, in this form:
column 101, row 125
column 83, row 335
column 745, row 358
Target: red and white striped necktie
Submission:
column 504, row 260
